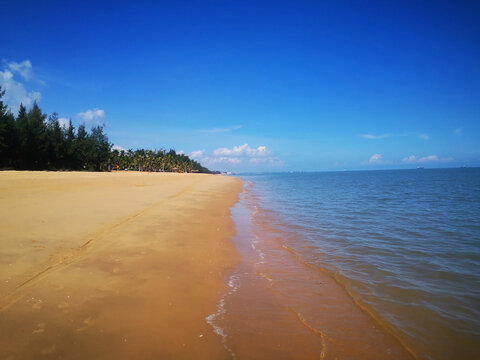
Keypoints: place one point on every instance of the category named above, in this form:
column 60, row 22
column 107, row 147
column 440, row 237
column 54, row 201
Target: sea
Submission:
column 404, row 244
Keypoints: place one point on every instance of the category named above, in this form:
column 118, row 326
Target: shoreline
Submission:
column 297, row 311
column 113, row 265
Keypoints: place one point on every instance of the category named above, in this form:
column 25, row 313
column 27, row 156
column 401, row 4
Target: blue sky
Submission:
column 258, row 85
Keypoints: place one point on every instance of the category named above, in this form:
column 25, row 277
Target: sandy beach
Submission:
column 113, row 265
column 130, row 265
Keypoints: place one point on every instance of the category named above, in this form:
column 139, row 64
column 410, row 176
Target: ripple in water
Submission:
column 405, row 244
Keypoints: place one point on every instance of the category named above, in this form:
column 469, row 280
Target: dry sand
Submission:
column 113, row 265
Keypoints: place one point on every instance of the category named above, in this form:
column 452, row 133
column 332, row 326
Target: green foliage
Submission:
column 157, row 160
column 99, row 148
column 37, row 139
column 82, row 149
column 8, row 136
column 30, row 142
column 56, row 142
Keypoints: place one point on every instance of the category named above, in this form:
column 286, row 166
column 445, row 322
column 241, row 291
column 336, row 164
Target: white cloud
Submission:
column 424, row 136
column 242, row 154
column 24, row 68
column 15, row 91
column 222, row 130
column 181, row 152
column 375, row 159
column 412, row 159
column 242, row 150
column 458, row 131
column 92, row 115
column 374, row 137
column 206, row 160
column 429, row 158
column 266, row 160
column 118, row 147
column 197, row 154
column 64, row 122
column 224, row 159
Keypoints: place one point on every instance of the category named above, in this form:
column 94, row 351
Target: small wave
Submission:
column 323, row 336
column 253, row 243
column 290, row 249
column 266, row 277
column 233, row 284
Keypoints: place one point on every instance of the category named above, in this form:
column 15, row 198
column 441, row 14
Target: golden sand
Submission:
column 113, row 265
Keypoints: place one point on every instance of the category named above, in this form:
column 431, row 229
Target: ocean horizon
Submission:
column 251, row 173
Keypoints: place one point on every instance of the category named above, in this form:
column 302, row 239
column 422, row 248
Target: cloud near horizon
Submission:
column 242, row 154
column 375, row 159
column 15, row 91
column 243, row 150
column 412, row 159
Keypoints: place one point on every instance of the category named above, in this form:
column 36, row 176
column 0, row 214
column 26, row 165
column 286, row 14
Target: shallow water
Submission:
column 277, row 306
column 405, row 244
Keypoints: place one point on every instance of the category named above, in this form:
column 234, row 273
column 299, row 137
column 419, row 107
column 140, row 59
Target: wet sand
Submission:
column 113, row 265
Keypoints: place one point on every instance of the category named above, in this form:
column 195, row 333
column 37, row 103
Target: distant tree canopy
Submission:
column 30, row 141
column 148, row 160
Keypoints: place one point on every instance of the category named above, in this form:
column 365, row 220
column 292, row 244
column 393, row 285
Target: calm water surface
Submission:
column 404, row 243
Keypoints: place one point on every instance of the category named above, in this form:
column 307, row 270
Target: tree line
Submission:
column 31, row 141
column 151, row 160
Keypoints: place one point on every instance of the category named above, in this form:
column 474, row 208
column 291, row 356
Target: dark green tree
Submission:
column 37, row 145
column 81, row 147
column 71, row 159
column 99, row 149
column 21, row 126
column 8, row 136
column 56, row 147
